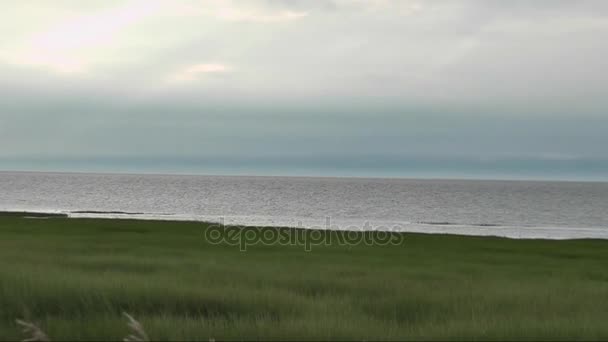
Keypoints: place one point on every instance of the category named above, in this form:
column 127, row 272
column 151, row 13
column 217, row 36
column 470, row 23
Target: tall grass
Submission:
column 76, row 277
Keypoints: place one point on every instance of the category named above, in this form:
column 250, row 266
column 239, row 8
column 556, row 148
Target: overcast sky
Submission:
column 303, row 84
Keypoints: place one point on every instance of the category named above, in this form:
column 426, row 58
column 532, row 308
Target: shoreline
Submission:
column 490, row 231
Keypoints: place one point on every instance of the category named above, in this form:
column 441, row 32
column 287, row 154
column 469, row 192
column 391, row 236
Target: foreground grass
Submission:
column 74, row 278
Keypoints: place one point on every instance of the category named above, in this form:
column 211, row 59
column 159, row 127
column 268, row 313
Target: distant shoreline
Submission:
column 313, row 176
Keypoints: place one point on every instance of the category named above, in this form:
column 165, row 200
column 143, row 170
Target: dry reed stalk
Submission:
column 139, row 333
column 33, row 332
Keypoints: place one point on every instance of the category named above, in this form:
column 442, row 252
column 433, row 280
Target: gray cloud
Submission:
column 391, row 79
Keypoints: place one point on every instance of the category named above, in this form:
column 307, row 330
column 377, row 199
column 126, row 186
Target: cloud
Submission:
column 196, row 71
column 478, row 54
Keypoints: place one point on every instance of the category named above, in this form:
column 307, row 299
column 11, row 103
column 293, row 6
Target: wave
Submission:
column 431, row 223
column 105, row 212
column 32, row 214
column 115, row 212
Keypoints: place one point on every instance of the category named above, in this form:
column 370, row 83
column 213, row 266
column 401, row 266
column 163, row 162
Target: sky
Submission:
column 466, row 89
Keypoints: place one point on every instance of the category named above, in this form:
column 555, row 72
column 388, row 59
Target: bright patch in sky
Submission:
column 70, row 46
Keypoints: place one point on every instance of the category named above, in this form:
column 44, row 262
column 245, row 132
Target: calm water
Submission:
column 505, row 208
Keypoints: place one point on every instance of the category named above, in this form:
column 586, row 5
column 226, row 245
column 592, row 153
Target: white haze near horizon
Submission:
column 323, row 87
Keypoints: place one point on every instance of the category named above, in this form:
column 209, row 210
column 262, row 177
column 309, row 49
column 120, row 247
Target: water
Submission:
column 517, row 209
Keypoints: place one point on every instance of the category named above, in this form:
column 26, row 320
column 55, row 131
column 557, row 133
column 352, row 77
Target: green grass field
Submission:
column 74, row 278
